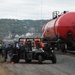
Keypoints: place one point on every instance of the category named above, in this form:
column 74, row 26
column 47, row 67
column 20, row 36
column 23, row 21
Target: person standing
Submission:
column 4, row 51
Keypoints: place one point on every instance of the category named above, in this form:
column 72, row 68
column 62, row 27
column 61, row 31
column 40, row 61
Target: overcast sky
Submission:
column 33, row 9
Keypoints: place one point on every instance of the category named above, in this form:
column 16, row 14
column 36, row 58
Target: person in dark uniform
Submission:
column 10, row 53
column 7, row 49
column 4, row 51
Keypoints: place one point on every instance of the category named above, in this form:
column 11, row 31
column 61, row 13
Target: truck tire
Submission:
column 54, row 60
column 27, row 61
column 40, row 59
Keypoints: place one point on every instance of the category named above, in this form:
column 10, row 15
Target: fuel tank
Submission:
column 63, row 26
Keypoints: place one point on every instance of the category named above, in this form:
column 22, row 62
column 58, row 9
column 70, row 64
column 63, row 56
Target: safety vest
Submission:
column 24, row 42
column 39, row 43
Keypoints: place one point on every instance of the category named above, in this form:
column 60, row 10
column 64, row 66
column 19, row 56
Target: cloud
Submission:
column 33, row 9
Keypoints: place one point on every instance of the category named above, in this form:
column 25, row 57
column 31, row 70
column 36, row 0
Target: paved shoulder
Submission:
column 65, row 66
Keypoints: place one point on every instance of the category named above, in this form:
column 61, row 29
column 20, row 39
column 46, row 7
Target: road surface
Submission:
column 65, row 66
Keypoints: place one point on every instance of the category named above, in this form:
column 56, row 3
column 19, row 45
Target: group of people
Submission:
column 36, row 43
column 8, row 49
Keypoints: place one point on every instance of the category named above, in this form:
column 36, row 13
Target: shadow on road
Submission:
column 33, row 62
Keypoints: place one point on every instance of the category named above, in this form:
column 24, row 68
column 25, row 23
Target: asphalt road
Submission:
column 65, row 66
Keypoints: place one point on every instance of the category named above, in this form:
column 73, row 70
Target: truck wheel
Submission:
column 27, row 61
column 40, row 59
column 54, row 59
column 15, row 59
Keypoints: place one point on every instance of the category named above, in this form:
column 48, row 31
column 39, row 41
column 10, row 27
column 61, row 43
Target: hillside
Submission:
column 19, row 27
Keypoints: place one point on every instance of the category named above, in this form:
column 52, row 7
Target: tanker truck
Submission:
column 60, row 31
